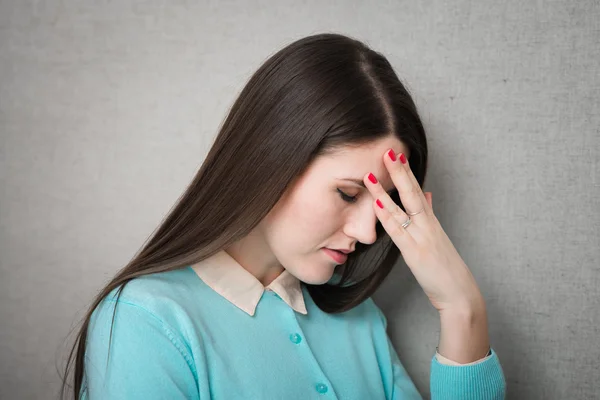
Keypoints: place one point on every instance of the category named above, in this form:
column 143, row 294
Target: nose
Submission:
column 361, row 224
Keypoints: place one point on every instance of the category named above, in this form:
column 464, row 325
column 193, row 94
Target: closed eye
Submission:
column 393, row 191
column 346, row 198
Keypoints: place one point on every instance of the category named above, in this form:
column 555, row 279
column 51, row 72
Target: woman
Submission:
column 257, row 284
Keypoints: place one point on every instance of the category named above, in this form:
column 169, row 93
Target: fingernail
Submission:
column 372, row 178
column 402, row 158
column 379, row 204
column 392, row 155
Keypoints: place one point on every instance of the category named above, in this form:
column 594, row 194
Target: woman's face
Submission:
column 323, row 209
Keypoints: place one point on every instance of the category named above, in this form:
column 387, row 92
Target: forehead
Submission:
column 356, row 160
column 370, row 153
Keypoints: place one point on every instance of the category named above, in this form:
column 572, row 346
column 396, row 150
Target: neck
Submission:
column 253, row 253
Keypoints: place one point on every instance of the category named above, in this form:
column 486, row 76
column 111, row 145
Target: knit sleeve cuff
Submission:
column 483, row 380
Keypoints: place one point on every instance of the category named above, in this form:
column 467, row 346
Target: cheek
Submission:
column 306, row 218
column 311, row 214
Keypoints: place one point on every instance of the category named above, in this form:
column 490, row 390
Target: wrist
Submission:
column 464, row 334
column 468, row 307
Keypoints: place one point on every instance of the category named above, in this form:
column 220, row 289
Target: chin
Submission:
column 316, row 282
column 318, row 277
column 311, row 270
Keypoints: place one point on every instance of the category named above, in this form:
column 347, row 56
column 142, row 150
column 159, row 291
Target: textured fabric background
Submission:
column 107, row 109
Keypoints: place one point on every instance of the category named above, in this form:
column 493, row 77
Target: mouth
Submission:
column 335, row 255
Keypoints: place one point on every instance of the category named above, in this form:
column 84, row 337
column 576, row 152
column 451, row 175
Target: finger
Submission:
column 389, row 205
column 429, row 199
column 428, row 206
column 388, row 215
column 411, row 195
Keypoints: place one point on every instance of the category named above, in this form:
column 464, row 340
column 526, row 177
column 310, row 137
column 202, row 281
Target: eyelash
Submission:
column 346, row 198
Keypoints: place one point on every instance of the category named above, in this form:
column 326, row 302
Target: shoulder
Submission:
column 145, row 331
column 165, row 296
column 157, row 287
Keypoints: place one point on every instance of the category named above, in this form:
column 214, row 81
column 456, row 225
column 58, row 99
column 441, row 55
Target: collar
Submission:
column 232, row 281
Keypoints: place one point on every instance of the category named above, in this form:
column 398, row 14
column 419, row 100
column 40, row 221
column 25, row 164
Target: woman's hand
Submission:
column 424, row 245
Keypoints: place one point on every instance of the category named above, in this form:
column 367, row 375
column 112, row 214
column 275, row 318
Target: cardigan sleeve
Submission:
column 481, row 380
column 148, row 359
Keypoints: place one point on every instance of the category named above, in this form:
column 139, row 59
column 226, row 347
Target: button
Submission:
column 295, row 338
column 321, row 388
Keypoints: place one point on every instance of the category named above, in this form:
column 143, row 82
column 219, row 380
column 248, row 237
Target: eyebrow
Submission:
column 362, row 184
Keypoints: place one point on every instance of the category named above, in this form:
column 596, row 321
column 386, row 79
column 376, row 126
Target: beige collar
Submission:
column 232, row 281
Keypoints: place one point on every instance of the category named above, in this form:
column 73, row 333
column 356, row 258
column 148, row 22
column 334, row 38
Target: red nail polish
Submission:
column 392, row 155
column 402, row 158
column 379, row 204
column 372, row 178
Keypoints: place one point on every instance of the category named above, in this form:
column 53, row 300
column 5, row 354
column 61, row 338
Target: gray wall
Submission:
column 108, row 108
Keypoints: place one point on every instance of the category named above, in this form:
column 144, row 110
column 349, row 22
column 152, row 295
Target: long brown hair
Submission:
column 316, row 94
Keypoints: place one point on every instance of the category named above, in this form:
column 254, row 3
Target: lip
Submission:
column 338, row 257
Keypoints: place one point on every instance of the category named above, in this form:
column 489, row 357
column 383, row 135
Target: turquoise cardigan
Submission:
column 176, row 338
